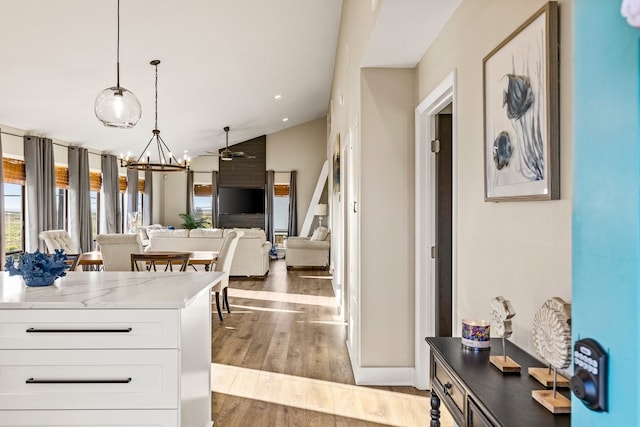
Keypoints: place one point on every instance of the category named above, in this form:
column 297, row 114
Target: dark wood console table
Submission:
column 477, row 394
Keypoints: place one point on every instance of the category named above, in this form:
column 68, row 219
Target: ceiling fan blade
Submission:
column 226, row 153
column 243, row 154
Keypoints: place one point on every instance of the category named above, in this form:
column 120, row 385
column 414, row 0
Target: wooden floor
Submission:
column 280, row 359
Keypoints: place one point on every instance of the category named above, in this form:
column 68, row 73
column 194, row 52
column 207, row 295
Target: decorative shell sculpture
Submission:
column 501, row 312
column 552, row 332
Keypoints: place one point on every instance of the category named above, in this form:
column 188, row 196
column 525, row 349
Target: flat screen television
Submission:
column 241, row 200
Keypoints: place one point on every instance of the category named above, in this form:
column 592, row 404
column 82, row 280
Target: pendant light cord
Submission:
column 118, row 50
column 156, row 127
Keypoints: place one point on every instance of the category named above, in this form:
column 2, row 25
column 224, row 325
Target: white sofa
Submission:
column 252, row 253
column 309, row 251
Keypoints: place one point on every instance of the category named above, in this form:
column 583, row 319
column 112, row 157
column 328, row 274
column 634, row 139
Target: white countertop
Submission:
column 113, row 289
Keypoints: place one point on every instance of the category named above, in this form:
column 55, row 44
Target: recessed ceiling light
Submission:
column 278, row 96
column 286, row 119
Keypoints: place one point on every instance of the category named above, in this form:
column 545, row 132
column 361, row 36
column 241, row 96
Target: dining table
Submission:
column 92, row 261
column 205, row 258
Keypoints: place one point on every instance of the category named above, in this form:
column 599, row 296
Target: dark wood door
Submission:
column 444, row 131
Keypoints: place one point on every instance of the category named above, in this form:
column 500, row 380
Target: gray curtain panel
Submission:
column 111, row 194
column 190, row 201
column 2, row 230
column 132, row 192
column 293, row 209
column 268, row 205
column 41, row 190
column 80, row 198
column 215, row 179
column 147, row 210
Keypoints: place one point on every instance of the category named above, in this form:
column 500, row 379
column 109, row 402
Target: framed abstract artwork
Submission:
column 521, row 112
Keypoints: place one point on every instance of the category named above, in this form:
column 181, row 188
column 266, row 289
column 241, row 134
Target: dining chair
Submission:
column 148, row 261
column 117, row 249
column 72, row 261
column 58, row 239
column 223, row 264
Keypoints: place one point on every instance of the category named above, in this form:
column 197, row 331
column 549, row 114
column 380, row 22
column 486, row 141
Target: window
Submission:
column 62, row 197
column 125, row 203
column 140, row 207
column 62, row 208
column 140, row 201
column 14, row 179
column 94, row 197
column 202, row 201
column 13, row 218
column 122, row 184
column 280, row 214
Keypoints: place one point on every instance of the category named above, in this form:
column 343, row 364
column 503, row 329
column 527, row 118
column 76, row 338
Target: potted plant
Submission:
column 38, row 269
column 191, row 221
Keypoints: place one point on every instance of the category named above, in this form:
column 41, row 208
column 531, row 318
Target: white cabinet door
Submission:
column 88, row 418
column 55, row 329
column 89, row 379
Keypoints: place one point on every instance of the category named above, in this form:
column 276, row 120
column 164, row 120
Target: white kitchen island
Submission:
column 107, row 349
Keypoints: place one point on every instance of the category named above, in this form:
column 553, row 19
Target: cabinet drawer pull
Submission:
column 121, row 381
column 74, row 331
column 447, row 387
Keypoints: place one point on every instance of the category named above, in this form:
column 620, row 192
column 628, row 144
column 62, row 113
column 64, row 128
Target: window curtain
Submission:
column 293, row 209
column 268, row 205
column 190, row 201
column 147, row 210
column 215, row 179
column 2, row 225
column 111, row 193
column 41, row 190
column 80, row 198
column 132, row 191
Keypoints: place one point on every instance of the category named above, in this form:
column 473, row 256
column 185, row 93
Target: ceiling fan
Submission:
column 226, row 154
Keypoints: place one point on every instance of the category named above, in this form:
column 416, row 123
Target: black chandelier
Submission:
column 165, row 160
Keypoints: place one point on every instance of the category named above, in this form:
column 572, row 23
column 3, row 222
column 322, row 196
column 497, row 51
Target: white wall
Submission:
column 175, row 199
column 12, row 145
column 521, row 250
column 387, row 212
column 301, row 148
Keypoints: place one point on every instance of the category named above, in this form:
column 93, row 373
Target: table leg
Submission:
column 435, row 410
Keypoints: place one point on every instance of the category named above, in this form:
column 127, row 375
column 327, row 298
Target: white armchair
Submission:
column 309, row 251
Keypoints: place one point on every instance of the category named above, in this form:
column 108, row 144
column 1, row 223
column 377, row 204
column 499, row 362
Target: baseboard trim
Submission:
column 383, row 375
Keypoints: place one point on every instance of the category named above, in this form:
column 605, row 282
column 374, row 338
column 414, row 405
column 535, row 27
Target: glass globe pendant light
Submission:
column 116, row 106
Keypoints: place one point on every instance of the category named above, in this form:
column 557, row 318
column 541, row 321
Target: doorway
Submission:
column 442, row 150
column 351, row 155
column 435, row 223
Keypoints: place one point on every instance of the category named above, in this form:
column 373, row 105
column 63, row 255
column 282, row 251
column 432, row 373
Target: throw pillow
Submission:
column 314, row 236
column 319, row 233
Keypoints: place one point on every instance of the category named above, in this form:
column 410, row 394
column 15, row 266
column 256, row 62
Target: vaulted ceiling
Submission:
column 222, row 63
